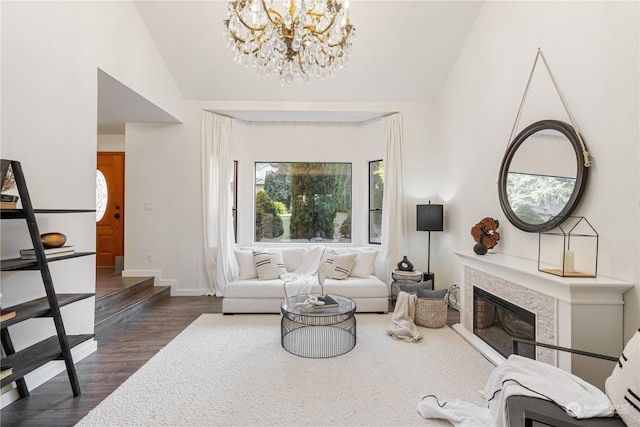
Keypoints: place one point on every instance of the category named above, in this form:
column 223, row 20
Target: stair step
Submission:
column 127, row 303
column 125, row 295
column 130, row 312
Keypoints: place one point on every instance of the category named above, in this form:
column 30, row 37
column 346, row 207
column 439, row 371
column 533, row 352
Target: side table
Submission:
column 403, row 278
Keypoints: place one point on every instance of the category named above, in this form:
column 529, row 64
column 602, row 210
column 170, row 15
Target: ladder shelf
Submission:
column 58, row 346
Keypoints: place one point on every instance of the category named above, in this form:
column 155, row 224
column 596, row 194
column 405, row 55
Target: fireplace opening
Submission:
column 497, row 322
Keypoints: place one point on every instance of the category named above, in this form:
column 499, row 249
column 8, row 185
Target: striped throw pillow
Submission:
column 623, row 386
column 246, row 264
column 269, row 265
column 339, row 266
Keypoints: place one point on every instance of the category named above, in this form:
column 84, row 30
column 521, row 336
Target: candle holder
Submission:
column 569, row 249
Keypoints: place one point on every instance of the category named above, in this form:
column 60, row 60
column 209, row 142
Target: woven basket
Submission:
column 431, row 313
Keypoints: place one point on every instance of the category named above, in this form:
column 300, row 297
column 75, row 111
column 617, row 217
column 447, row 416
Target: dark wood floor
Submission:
column 109, row 281
column 122, row 350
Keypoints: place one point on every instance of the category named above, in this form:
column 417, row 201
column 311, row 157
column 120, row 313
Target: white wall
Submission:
column 592, row 49
column 163, row 167
column 111, row 142
column 51, row 52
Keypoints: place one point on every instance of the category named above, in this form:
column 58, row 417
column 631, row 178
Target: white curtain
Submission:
column 394, row 215
column 217, row 169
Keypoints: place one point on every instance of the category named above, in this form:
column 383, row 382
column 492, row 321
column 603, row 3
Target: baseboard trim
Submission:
column 159, row 281
column 188, row 293
column 157, row 278
column 46, row 372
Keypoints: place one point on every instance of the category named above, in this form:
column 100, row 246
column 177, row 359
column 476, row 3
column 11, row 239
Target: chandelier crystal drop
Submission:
column 309, row 38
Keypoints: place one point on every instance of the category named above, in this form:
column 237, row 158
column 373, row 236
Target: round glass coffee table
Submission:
column 318, row 332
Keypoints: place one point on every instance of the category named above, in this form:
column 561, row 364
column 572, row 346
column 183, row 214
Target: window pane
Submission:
column 376, row 191
column 375, row 227
column 376, row 184
column 234, row 198
column 102, row 195
column 233, row 185
column 309, row 202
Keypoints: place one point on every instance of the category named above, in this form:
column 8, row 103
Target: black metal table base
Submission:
column 318, row 334
column 317, row 341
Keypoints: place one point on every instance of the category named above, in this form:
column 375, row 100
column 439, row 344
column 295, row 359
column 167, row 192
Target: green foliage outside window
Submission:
column 345, row 228
column 376, row 191
column 268, row 221
column 277, row 184
column 376, row 170
column 317, row 196
column 281, row 208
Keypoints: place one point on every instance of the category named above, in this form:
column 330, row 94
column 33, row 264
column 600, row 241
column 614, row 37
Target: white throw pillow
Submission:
column 269, row 265
column 246, row 264
column 338, row 267
column 365, row 261
column 623, row 386
column 293, row 257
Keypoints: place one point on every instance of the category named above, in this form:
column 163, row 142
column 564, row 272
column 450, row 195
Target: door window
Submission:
column 102, row 195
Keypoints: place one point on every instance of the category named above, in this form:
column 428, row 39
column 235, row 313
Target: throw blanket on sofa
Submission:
column 305, row 278
column 527, row 377
column 401, row 327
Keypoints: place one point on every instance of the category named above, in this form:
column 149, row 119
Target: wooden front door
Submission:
column 110, row 228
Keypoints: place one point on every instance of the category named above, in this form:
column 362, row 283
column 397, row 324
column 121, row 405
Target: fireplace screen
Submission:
column 497, row 322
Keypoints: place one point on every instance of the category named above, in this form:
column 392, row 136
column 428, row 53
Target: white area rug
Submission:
column 232, row 370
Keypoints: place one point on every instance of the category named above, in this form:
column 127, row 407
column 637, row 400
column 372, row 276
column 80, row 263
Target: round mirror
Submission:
column 542, row 176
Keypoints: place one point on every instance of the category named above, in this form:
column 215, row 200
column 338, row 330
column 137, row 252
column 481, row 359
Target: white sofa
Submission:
column 247, row 293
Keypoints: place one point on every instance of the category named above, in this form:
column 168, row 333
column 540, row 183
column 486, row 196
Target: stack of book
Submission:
column 328, row 303
column 49, row 253
column 8, row 201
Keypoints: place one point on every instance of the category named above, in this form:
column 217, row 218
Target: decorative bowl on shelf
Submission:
column 53, row 240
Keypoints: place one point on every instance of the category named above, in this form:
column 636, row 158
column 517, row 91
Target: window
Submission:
column 303, row 202
column 233, row 185
column 376, row 190
column 102, row 195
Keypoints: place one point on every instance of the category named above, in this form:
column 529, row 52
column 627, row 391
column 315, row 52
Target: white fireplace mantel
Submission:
column 576, row 312
column 571, row 290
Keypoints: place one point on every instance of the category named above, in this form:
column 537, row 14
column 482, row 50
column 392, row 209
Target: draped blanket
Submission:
column 305, row 278
column 401, row 327
column 526, row 377
column 522, row 376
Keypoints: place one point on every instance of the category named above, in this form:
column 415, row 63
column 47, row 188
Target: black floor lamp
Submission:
column 429, row 218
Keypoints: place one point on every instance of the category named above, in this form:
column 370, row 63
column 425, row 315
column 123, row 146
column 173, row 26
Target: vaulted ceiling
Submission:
column 403, row 52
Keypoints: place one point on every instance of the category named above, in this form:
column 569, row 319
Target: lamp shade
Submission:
column 429, row 217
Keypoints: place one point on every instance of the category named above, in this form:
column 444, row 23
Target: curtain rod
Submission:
column 248, row 122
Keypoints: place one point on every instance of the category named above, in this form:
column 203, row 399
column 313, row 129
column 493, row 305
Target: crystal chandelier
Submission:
column 311, row 38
